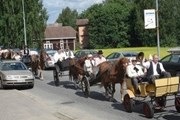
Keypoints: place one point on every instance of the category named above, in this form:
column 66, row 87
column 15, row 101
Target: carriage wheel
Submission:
column 56, row 78
column 161, row 101
column 85, row 86
column 148, row 110
column 128, row 103
column 177, row 104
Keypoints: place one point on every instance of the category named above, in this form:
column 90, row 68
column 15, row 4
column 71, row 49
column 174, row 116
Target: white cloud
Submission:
column 54, row 7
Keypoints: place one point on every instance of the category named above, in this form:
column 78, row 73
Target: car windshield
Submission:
column 51, row 53
column 13, row 66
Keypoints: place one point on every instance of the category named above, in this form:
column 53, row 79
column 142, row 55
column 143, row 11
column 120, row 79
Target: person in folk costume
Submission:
column 135, row 73
column 69, row 53
column 99, row 58
column 89, row 64
column 26, row 51
column 59, row 56
column 16, row 56
column 155, row 69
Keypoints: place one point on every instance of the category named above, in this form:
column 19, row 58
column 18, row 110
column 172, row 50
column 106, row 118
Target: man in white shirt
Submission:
column 69, row 53
column 135, row 72
column 59, row 56
column 155, row 69
column 99, row 58
column 16, row 56
column 88, row 64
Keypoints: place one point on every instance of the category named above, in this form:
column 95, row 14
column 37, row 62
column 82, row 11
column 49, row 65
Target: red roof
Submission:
column 58, row 31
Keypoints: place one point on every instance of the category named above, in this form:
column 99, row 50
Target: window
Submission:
column 175, row 58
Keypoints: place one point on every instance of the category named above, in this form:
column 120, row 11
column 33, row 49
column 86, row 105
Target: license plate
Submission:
column 21, row 81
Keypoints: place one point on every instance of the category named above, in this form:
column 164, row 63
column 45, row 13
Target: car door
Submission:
column 171, row 64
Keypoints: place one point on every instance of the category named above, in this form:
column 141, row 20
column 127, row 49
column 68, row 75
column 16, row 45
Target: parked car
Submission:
column 49, row 61
column 171, row 62
column 117, row 55
column 85, row 52
column 15, row 73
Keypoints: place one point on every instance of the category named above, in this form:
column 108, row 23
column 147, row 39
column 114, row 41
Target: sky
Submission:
column 54, row 7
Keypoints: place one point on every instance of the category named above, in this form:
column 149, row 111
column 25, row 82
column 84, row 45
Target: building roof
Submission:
column 58, row 31
column 81, row 22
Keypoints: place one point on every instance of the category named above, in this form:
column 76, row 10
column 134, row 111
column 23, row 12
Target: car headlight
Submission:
column 30, row 76
column 8, row 77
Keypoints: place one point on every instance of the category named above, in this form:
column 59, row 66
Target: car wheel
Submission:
column 1, row 84
column 31, row 86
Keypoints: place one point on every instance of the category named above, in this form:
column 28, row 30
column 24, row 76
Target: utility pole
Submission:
column 157, row 27
column 24, row 20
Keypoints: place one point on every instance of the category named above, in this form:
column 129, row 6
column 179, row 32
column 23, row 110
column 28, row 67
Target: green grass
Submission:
column 147, row 50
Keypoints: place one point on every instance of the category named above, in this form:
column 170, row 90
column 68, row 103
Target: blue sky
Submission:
column 54, row 7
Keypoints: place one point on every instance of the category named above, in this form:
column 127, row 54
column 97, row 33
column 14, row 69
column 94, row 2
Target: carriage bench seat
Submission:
column 166, row 86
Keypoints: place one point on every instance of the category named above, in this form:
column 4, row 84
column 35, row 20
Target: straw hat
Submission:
column 90, row 55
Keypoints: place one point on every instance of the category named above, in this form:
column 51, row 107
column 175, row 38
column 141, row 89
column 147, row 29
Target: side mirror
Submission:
column 30, row 69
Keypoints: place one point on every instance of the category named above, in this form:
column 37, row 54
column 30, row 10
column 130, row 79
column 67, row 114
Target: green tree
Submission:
column 108, row 24
column 168, row 24
column 68, row 17
column 11, row 22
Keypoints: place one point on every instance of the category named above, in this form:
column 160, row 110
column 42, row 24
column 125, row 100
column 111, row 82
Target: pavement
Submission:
column 14, row 105
column 18, row 105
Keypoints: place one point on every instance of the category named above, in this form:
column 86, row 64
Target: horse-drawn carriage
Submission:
column 157, row 93
column 76, row 73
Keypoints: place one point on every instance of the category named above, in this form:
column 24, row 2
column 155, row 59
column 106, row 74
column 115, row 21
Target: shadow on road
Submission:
column 65, row 84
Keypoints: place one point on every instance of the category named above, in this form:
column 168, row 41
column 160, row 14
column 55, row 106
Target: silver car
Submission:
column 117, row 55
column 15, row 73
column 49, row 61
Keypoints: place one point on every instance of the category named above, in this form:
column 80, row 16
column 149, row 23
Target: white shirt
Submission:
column 88, row 65
column 147, row 65
column 17, row 57
column 69, row 54
column 59, row 56
column 131, row 72
column 99, row 60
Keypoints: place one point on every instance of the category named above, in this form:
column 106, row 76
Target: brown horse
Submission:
column 76, row 70
column 35, row 65
column 7, row 54
column 112, row 73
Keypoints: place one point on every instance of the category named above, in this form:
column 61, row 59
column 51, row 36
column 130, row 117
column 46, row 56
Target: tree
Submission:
column 108, row 24
column 11, row 22
column 68, row 17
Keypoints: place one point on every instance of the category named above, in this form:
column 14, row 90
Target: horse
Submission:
column 7, row 54
column 112, row 73
column 76, row 69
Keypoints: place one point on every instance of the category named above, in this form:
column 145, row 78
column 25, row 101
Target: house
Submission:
column 82, row 32
column 59, row 37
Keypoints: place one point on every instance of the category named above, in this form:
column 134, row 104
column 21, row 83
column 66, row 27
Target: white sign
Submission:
column 149, row 19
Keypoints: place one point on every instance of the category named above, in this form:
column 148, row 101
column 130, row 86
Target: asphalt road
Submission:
column 66, row 100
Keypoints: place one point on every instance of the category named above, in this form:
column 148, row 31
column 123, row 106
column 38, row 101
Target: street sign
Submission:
column 149, row 19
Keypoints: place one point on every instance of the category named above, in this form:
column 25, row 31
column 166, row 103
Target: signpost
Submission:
column 151, row 21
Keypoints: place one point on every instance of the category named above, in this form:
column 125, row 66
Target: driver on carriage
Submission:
column 69, row 53
column 59, row 56
column 88, row 65
column 92, row 63
column 135, row 73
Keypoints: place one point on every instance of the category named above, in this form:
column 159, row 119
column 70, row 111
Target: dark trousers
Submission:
column 152, row 78
column 135, row 83
column 58, row 66
column 136, row 80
